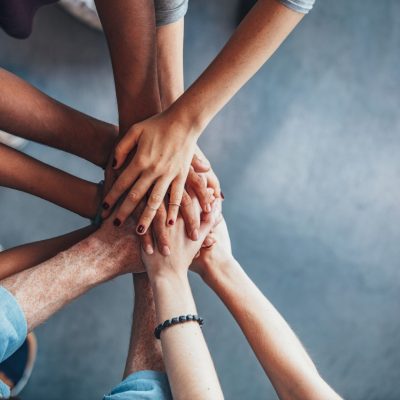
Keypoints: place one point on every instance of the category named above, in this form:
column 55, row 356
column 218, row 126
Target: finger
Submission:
column 160, row 230
column 197, row 184
column 210, row 220
column 147, row 242
column 125, row 146
column 120, row 186
column 213, row 182
column 209, row 241
column 132, row 199
column 153, row 204
column 190, row 216
column 175, row 199
column 200, row 164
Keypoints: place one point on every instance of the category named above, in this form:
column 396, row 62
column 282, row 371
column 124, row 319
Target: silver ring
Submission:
column 174, row 204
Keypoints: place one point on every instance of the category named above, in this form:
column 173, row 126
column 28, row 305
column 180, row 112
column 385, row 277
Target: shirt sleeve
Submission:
column 144, row 385
column 13, row 329
column 170, row 11
column 302, row 6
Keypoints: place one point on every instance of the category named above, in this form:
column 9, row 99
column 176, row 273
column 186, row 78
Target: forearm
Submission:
column 130, row 30
column 170, row 62
column 44, row 289
column 21, row 172
column 144, row 349
column 170, row 65
column 28, row 255
column 187, row 359
column 29, row 113
column 252, row 44
column 281, row 354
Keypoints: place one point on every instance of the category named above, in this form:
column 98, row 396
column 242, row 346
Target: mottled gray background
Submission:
column 309, row 158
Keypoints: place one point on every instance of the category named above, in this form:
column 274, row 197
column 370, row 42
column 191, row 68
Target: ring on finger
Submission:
column 174, row 204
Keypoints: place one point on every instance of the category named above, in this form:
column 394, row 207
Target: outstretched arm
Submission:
column 166, row 143
column 29, row 113
column 43, row 289
column 187, row 360
column 287, row 364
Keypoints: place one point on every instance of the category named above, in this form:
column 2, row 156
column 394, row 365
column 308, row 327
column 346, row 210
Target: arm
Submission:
column 165, row 144
column 21, row 172
column 280, row 353
column 131, row 34
column 186, row 357
column 171, row 84
column 44, row 289
column 29, row 113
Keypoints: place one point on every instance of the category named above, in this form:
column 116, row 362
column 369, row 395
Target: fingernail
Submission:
column 114, row 162
column 105, row 205
column 149, row 249
column 166, row 251
column 140, row 229
column 171, row 222
column 222, row 195
column 195, row 234
column 117, row 222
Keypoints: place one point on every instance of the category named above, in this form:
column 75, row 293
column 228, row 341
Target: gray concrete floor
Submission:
column 308, row 155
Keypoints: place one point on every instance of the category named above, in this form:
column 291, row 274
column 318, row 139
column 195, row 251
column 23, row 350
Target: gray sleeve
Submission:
column 169, row 11
column 302, row 6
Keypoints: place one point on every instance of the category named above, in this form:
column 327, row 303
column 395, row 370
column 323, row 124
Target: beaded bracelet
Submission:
column 175, row 321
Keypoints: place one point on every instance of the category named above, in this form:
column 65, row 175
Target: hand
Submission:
column 189, row 211
column 210, row 259
column 182, row 248
column 164, row 151
column 119, row 249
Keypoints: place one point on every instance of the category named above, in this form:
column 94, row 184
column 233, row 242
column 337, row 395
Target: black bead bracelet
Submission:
column 175, row 321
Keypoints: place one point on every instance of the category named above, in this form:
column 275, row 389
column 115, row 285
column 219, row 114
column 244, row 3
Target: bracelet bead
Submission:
column 175, row 321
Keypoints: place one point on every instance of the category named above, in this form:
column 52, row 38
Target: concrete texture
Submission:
column 308, row 156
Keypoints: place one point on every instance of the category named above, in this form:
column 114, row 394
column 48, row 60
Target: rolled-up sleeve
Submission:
column 169, row 11
column 13, row 330
column 302, row 6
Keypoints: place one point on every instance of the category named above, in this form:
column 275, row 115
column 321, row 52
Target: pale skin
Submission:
column 186, row 357
column 164, row 144
column 280, row 353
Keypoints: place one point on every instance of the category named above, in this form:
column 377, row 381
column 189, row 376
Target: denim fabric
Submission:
column 142, row 385
column 13, row 330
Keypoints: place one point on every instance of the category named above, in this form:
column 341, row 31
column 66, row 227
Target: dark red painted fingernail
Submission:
column 105, row 205
column 117, row 222
column 171, row 222
column 140, row 229
column 114, row 163
column 222, row 195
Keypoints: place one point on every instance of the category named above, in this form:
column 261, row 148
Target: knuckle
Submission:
column 186, row 200
column 140, row 162
column 133, row 196
column 155, row 198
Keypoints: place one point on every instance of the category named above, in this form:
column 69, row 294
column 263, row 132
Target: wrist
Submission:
column 189, row 116
column 160, row 276
column 216, row 269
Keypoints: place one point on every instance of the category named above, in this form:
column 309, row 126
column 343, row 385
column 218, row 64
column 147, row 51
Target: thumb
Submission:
column 200, row 164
